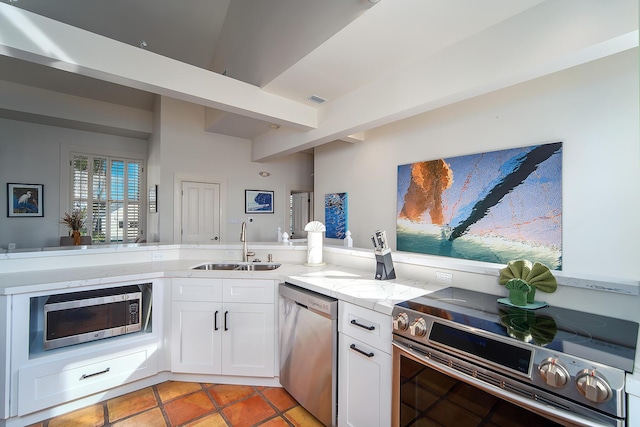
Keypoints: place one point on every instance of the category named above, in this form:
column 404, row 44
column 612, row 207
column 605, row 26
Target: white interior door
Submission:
column 200, row 212
column 299, row 214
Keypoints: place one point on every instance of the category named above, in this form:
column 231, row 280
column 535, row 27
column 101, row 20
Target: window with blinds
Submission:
column 109, row 191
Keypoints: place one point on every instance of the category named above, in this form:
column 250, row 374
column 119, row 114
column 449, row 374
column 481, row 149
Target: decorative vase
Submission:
column 76, row 237
column 531, row 296
column 518, row 291
column 518, row 297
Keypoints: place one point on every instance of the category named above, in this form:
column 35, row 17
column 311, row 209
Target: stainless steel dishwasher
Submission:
column 308, row 350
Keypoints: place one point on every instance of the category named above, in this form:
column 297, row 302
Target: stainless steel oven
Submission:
column 463, row 359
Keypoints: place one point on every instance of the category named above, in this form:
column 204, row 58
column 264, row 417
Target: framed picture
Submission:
column 488, row 207
column 335, row 215
column 24, row 200
column 258, row 201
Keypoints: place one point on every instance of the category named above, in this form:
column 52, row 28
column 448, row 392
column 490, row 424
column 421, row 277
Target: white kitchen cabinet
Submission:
column 195, row 341
column 364, row 367
column 633, row 409
column 229, row 330
column 49, row 384
column 45, row 378
column 248, row 346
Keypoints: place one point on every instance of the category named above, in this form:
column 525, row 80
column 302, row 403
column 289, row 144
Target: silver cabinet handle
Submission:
column 85, row 376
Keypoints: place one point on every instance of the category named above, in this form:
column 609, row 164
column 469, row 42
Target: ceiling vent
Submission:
column 316, row 99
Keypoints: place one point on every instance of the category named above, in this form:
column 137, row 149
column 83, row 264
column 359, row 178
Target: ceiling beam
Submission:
column 41, row 40
column 545, row 39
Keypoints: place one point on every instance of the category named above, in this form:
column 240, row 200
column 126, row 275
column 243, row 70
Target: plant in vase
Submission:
column 536, row 275
column 75, row 222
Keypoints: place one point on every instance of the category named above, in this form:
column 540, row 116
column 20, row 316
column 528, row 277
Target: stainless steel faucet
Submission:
column 243, row 238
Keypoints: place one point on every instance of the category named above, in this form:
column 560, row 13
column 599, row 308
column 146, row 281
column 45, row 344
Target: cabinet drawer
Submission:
column 51, row 384
column 366, row 325
column 183, row 289
column 248, row 290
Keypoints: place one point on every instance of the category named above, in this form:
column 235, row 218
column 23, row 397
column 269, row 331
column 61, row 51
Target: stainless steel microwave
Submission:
column 79, row 317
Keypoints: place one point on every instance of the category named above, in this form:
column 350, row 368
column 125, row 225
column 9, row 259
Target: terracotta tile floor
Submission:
column 187, row 404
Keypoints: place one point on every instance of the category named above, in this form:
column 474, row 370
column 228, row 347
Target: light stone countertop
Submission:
column 343, row 283
column 351, row 285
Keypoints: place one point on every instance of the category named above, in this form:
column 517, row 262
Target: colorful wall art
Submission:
column 494, row 207
column 335, row 215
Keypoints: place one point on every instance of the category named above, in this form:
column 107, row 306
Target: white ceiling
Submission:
column 298, row 48
column 329, row 60
column 256, row 45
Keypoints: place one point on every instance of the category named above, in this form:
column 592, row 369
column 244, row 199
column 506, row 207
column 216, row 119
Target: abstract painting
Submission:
column 493, row 207
column 335, row 215
column 24, row 200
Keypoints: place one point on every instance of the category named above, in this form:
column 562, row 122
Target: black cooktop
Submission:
column 601, row 339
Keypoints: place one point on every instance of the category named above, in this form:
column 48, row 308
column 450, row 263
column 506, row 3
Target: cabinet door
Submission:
column 364, row 381
column 248, row 340
column 196, row 330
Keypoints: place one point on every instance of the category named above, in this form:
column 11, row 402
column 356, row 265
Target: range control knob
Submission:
column 553, row 373
column 593, row 386
column 401, row 322
column 418, row 328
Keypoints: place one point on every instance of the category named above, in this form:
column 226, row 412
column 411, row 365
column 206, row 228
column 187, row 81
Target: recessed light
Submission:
column 274, row 126
column 264, row 174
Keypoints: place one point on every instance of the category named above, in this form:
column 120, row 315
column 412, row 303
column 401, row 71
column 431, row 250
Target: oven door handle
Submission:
column 533, row 406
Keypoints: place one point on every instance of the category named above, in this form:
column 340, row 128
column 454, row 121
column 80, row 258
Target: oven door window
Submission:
column 430, row 398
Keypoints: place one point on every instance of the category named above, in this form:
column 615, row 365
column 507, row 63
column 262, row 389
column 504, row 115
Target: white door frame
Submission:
column 178, row 179
column 295, row 188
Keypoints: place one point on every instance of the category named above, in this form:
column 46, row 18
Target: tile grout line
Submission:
column 279, row 413
column 218, row 407
column 208, row 389
column 160, row 406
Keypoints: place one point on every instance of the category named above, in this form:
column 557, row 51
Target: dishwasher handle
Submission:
column 321, row 304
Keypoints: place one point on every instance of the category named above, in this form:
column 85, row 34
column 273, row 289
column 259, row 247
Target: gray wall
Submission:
column 187, row 150
column 592, row 108
column 37, row 154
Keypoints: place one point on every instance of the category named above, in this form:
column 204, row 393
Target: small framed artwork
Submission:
column 258, row 201
column 24, row 200
column 335, row 215
column 153, row 198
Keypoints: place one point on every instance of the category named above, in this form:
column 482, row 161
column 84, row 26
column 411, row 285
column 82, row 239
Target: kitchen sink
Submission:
column 249, row 266
column 216, row 266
